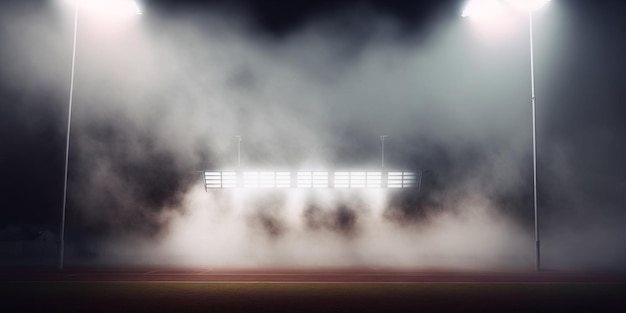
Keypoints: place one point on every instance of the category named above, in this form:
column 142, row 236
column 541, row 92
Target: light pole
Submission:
column 533, row 102
column 238, row 152
column 92, row 4
column 481, row 8
column 382, row 151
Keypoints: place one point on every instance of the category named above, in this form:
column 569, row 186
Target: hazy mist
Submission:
column 160, row 97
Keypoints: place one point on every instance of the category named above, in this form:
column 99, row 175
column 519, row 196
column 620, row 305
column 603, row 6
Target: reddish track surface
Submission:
column 303, row 275
column 325, row 290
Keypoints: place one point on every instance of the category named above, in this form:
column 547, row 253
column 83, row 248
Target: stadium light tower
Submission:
column 489, row 8
column 106, row 7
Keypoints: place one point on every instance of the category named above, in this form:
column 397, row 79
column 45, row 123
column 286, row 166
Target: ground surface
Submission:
column 328, row 290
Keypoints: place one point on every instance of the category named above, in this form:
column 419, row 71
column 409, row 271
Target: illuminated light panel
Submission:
column 216, row 179
column 374, row 179
column 251, row 180
column 408, row 180
column 229, row 179
column 400, row 179
column 484, row 8
column 304, row 180
column 358, row 179
column 342, row 179
column 108, row 7
column 312, row 180
column 283, row 180
column 212, row 179
column 394, row 179
column 493, row 8
column 319, row 179
column 527, row 5
column 267, row 180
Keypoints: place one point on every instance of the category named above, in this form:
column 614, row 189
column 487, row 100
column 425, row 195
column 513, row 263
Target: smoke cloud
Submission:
column 160, row 97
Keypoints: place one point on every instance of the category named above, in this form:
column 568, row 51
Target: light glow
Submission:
column 212, row 179
column 320, row 179
column 229, row 179
column 305, row 180
column 267, row 180
column 283, row 180
column 312, row 180
column 108, row 7
column 527, row 5
column 484, row 8
column 497, row 8
column 374, row 179
column 308, row 179
column 342, row 179
column 251, row 179
column 400, row 179
column 217, row 179
column 357, row 179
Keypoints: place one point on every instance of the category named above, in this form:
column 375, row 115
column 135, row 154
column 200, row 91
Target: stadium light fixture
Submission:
column 528, row 5
column 308, row 179
column 304, row 180
column 320, row 179
column 489, row 8
column 483, row 8
column 358, row 179
column 374, row 179
column 105, row 7
column 494, row 8
column 283, row 180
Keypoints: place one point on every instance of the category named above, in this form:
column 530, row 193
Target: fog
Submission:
column 160, row 97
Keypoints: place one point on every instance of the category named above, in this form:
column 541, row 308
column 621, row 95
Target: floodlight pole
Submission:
column 238, row 152
column 239, row 173
column 382, row 151
column 533, row 102
column 67, row 143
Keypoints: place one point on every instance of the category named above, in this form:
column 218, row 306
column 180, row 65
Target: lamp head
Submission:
column 527, row 5
column 491, row 8
column 108, row 7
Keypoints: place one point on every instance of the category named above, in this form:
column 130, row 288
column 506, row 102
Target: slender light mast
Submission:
column 475, row 8
column 67, row 143
column 382, row 151
column 533, row 102
column 238, row 152
column 137, row 11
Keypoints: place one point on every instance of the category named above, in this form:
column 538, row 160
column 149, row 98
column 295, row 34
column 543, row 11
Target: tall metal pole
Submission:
column 382, row 148
column 532, row 82
column 239, row 173
column 67, row 143
column 238, row 152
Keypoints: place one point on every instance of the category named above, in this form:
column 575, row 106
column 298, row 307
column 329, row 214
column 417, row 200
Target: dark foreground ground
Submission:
column 166, row 290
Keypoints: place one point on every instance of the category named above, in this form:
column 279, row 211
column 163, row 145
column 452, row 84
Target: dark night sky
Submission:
column 581, row 113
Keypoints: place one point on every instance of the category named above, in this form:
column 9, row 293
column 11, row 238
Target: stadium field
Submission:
column 157, row 296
